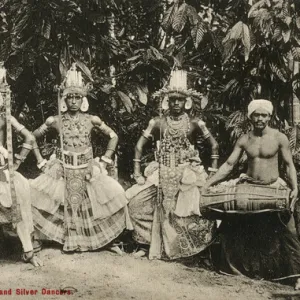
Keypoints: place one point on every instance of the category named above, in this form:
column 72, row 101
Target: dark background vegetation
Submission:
column 233, row 50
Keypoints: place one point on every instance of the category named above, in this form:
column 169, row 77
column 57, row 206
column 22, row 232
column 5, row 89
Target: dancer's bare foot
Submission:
column 140, row 253
column 297, row 285
column 116, row 250
column 30, row 257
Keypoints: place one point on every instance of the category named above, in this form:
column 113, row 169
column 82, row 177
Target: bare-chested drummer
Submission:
column 260, row 245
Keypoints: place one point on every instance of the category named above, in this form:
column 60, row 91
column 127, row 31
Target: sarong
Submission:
column 173, row 229
column 23, row 199
column 85, row 210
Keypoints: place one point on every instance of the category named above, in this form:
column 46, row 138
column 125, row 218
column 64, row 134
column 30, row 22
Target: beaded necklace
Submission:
column 175, row 142
column 178, row 127
column 75, row 130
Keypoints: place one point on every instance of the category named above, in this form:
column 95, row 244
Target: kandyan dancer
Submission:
column 164, row 207
column 75, row 202
column 15, row 200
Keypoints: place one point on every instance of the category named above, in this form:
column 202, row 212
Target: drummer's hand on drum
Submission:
column 293, row 199
column 205, row 188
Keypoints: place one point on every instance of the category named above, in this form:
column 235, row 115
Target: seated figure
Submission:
column 164, row 207
column 259, row 245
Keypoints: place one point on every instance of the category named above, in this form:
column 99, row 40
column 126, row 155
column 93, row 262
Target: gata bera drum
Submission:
column 243, row 199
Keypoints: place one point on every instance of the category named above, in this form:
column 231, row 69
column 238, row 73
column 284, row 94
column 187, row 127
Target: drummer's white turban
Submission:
column 260, row 103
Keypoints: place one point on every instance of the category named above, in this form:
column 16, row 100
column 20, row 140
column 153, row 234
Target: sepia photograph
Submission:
column 149, row 149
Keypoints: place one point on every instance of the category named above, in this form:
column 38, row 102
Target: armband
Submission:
column 112, row 134
column 136, row 176
column 215, row 156
column 42, row 163
column 212, row 169
column 147, row 135
column 43, row 129
column 106, row 160
column 20, row 128
column 204, row 129
column 19, row 157
column 27, row 146
column 107, row 130
column 205, row 136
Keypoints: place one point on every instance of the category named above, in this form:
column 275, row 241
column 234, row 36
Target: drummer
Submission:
column 260, row 245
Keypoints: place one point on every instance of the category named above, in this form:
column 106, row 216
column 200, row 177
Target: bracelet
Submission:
column 206, row 135
column 212, row 169
column 215, row 156
column 27, row 146
column 110, row 149
column 42, row 163
column 106, row 160
column 136, row 160
column 135, row 176
column 19, row 157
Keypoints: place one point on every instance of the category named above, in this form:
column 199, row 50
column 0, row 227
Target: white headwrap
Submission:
column 260, row 103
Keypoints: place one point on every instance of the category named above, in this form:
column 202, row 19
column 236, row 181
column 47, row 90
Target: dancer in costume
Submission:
column 259, row 245
column 164, row 207
column 75, row 202
column 15, row 199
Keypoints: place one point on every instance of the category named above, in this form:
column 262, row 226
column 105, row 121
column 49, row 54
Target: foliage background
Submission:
column 233, row 50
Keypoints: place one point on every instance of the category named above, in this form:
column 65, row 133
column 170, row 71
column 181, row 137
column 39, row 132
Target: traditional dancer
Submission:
column 15, row 200
column 75, row 202
column 164, row 207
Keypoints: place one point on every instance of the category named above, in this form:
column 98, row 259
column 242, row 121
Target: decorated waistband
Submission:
column 75, row 159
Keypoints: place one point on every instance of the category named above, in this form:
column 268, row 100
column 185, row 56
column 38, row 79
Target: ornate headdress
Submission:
column 74, row 84
column 177, row 88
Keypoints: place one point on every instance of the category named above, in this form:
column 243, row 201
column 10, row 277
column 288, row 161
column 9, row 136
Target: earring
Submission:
column 63, row 105
column 188, row 103
column 85, row 105
column 165, row 103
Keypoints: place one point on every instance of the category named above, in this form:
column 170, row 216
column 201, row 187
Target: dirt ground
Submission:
column 103, row 275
